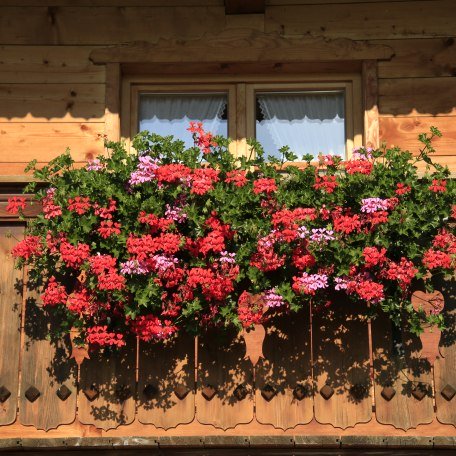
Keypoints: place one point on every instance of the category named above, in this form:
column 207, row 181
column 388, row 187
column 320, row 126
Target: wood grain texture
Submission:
column 286, row 365
column 112, row 101
column 10, row 321
column 165, row 366
column 370, row 100
column 105, row 25
column 22, row 142
column 374, row 20
column 404, row 131
column 256, row 46
column 400, row 367
column 222, row 365
column 52, row 102
column 445, row 366
column 417, row 97
column 112, row 375
column 418, row 58
column 45, row 366
column 48, row 64
column 341, row 360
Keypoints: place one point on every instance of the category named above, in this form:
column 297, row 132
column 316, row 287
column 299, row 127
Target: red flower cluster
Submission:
column 143, row 247
column 28, row 247
column 79, row 204
column 438, row 186
column 204, row 140
column 156, row 223
column 404, row 272
column 265, row 258
column 358, row 166
column 327, row 183
column 237, row 177
column 402, row 189
column 346, row 223
column 106, row 212
column 433, row 259
column 79, row 302
column 99, row 335
column 175, row 172
column 264, row 185
column 369, row 291
column 203, row 180
column 374, row 256
column 54, row 293
column 15, row 204
column 302, row 258
column 99, row 264
column 50, row 209
column 74, row 256
column 108, row 228
column 250, row 309
column 148, row 327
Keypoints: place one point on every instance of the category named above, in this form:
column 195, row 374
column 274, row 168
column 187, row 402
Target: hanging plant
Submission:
column 172, row 239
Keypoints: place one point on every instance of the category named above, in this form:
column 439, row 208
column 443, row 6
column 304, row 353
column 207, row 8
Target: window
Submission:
column 312, row 117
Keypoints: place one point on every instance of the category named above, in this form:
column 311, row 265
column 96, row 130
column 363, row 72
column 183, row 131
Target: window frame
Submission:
column 241, row 89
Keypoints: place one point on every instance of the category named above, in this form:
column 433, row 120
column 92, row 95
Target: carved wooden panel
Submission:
column 284, row 386
column 107, row 387
column 166, row 386
column 48, row 375
column 402, row 380
column 223, row 373
column 341, row 364
column 10, row 322
column 445, row 366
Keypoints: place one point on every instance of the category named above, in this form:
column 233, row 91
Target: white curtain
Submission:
column 309, row 123
column 171, row 114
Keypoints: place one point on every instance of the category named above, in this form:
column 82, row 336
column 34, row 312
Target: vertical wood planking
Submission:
column 46, row 367
column 10, row 324
column 166, row 385
column 222, row 368
column 370, row 100
column 107, row 387
column 286, row 368
column 341, row 363
column 402, row 372
column 445, row 367
column 112, row 110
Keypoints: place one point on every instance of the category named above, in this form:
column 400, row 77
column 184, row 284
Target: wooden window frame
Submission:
column 241, row 91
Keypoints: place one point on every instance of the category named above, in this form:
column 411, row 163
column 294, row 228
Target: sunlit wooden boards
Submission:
column 445, row 365
column 224, row 395
column 48, row 376
column 107, row 387
column 341, row 364
column 166, row 384
column 10, row 323
column 402, row 379
column 283, row 378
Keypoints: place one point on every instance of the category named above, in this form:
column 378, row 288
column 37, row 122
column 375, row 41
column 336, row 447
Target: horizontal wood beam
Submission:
column 243, row 46
column 244, row 6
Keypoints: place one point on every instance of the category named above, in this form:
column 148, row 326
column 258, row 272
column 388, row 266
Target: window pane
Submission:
column 308, row 122
column 170, row 114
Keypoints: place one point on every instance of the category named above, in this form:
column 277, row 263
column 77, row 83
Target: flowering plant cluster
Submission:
column 171, row 239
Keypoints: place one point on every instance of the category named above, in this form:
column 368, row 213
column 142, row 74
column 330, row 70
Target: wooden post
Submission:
column 370, row 101
column 112, row 110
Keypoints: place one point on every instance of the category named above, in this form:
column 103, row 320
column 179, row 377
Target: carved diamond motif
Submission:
column 419, row 391
column 326, row 392
column 63, row 393
column 181, row 391
column 240, row 392
column 4, row 394
column 448, row 392
column 208, row 392
column 388, row 392
column 301, row 391
column 91, row 393
column 32, row 394
column 268, row 392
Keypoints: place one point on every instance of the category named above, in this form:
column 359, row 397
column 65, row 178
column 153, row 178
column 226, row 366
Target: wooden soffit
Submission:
column 242, row 46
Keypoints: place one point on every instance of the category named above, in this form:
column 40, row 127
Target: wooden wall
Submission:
column 53, row 97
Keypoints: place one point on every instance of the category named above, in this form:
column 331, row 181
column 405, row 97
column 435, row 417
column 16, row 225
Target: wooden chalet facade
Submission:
column 72, row 72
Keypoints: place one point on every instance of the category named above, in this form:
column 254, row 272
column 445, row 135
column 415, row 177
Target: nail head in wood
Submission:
column 150, row 391
column 327, row 392
column 181, row 391
column 208, row 392
column 388, row 392
column 419, row 391
column 301, row 391
column 63, row 393
column 4, row 394
column 240, row 392
column 32, row 394
column 268, row 392
column 448, row 392
column 91, row 393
